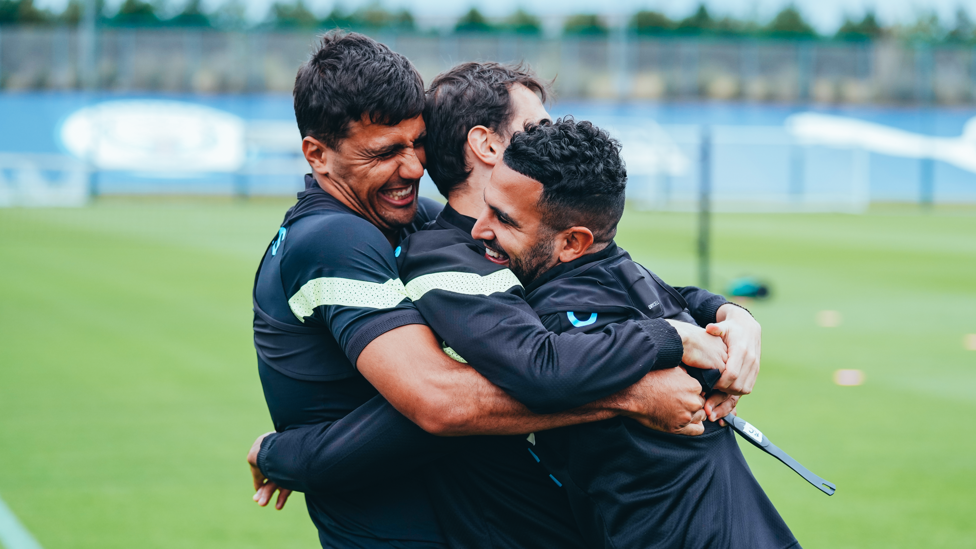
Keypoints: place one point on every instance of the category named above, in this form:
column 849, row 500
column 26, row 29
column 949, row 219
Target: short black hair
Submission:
column 582, row 174
column 350, row 77
column 469, row 95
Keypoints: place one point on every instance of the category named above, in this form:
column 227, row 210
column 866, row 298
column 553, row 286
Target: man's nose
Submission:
column 411, row 168
column 481, row 230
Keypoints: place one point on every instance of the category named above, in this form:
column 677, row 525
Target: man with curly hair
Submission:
column 552, row 208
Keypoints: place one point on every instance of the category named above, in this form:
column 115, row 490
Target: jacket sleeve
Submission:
column 373, row 443
column 702, row 304
column 501, row 337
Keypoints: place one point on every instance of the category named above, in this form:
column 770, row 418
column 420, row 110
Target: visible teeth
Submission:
column 493, row 253
column 401, row 194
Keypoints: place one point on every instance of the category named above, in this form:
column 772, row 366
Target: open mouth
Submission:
column 496, row 256
column 400, row 196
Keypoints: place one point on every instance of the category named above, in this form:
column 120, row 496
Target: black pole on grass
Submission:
column 704, row 206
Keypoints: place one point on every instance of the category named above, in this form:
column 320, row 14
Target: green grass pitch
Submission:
column 129, row 393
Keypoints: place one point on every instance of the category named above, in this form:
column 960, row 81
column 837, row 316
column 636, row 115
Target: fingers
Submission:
column 717, row 330
column 714, row 405
column 726, row 407
column 695, row 427
column 264, row 493
column 730, row 380
column 692, row 430
column 282, row 498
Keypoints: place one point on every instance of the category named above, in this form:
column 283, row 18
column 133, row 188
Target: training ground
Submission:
column 129, row 393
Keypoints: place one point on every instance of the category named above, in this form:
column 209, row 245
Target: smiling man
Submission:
column 340, row 346
column 552, row 208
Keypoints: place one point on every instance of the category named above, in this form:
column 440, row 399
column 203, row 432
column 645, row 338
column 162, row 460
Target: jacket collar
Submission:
column 314, row 199
column 610, row 251
column 449, row 218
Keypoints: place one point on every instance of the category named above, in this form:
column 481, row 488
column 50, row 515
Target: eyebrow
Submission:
column 396, row 147
column 505, row 217
column 384, row 151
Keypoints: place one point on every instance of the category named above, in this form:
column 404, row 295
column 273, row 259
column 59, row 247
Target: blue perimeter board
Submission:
column 31, row 123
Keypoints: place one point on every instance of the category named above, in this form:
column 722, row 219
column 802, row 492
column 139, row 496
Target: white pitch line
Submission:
column 13, row 535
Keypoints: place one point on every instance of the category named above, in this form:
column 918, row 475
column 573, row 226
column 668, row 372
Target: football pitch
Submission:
column 129, row 393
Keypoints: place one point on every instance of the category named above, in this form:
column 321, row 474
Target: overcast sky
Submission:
column 826, row 15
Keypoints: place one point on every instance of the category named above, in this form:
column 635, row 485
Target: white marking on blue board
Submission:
column 580, row 323
column 13, row 535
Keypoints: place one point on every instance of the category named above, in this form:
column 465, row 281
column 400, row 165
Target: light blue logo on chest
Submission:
column 396, row 252
column 580, row 323
column 281, row 237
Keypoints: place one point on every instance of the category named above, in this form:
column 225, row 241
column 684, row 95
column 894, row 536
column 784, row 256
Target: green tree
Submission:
column 403, row 20
column 135, row 13
column 374, row 16
column 926, row 28
column 584, row 24
column 700, row 22
column 339, row 18
column 789, row 23
column 23, row 12
column 865, row 29
column 291, row 16
column 473, row 21
column 191, row 16
column 651, row 22
column 74, row 12
column 523, row 22
column 231, row 15
column 964, row 30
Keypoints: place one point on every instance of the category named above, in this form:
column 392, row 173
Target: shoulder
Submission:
column 427, row 210
column 438, row 249
column 594, row 289
column 340, row 244
column 448, row 260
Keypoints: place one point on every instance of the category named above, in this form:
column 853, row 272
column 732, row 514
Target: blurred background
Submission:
column 814, row 159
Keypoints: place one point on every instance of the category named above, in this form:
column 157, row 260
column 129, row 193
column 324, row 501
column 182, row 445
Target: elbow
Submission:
column 440, row 416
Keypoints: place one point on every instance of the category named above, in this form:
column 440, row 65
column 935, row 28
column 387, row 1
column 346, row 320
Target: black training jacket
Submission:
column 630, row 486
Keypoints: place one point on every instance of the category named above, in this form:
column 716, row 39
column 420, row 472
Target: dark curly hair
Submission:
column 582, row 175
column 466, row 96
column 350, row 77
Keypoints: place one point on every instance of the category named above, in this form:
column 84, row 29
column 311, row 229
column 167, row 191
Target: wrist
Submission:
column 730, row 310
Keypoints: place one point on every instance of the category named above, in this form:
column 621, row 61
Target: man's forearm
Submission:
column 373, row 443
column 547, row 372
column 447, row 398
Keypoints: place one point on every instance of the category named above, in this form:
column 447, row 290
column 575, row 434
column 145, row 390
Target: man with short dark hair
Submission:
column 325, row 457
column 334, row 330
column 552, row 208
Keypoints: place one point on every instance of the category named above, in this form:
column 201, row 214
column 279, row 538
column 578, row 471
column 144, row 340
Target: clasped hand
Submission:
column 264, row 487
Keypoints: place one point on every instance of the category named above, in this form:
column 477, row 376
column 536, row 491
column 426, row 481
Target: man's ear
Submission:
column 484, row 145
column 318, row 155
column 573, row 243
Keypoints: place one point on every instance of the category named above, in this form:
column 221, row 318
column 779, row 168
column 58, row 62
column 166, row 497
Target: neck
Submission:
column 348, row 199
column 468, row 198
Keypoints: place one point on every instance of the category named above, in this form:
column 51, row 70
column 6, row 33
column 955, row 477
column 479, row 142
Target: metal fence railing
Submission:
column 617, row 66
